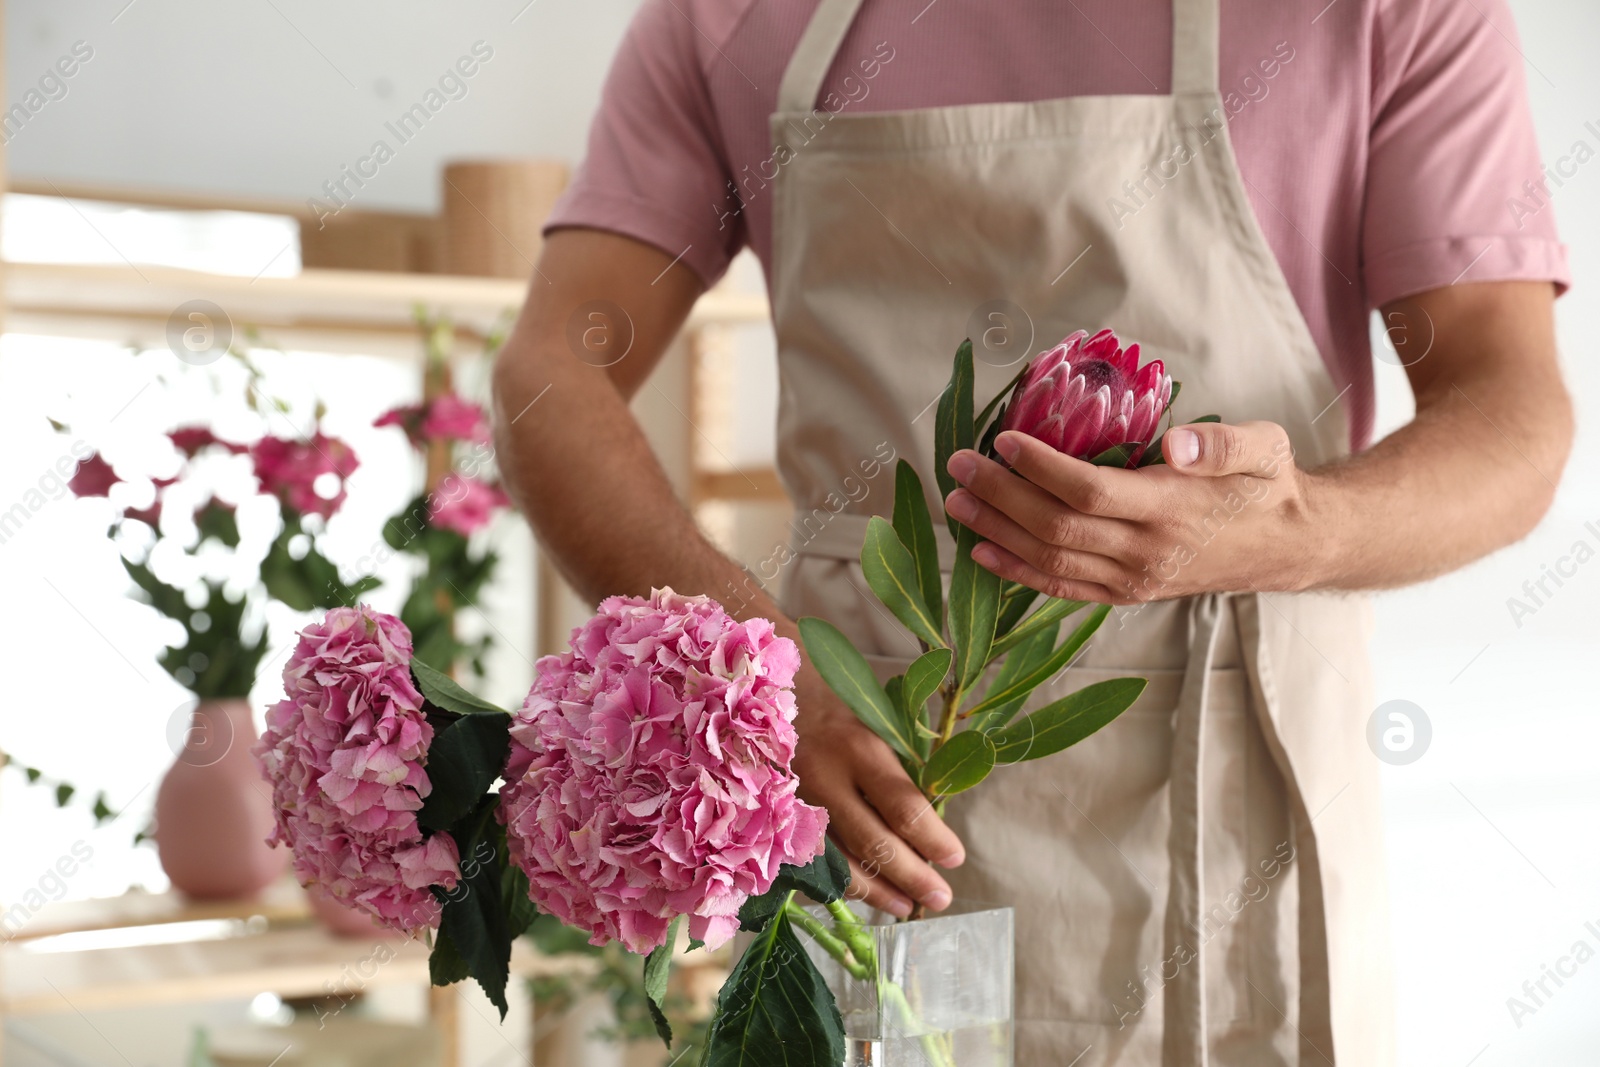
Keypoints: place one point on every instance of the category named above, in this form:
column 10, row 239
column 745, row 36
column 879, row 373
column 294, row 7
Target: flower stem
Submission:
column 934, row 1046
column 824, row 937
column 850, row 930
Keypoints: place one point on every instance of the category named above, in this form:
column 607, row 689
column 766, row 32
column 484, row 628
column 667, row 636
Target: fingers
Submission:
column 1110, row 492
column 1216, row 448
column 1013, row 568
column 1074, row 550
column 1048, row 518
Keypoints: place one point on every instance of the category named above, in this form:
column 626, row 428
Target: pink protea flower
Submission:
column 1088, row 394
column 649, row 772
column 289, row 470
column 345, row 754
column 94, row 477
column 466, row 505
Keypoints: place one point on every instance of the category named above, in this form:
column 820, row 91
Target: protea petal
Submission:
column 1085, row 426
column 1050, row 431
column 1148, row 377
column 1127, row 361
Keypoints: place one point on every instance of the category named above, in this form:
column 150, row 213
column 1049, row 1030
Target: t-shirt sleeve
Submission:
column 1455, row 187
column 656, row 169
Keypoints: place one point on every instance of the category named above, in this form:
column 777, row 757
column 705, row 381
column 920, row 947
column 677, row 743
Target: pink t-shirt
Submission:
column 1386, row 145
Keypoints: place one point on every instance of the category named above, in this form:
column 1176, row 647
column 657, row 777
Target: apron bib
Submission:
column 1198, row 883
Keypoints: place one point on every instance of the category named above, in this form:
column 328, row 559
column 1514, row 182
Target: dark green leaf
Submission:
column 520, row 910
column 1015, row 600
column 1115, row 456
column 849, row 676
column 1152, row 456
column 63, row 794
column 1177, row 387
column 952, row 428
column 1017, row 663
column 915, row 527
column 445, row 965
column 657, row 969
column 282, row 574
column 33, row 773
column 958, row 764
column 1063, row 723
column 986, row 442
column 1204, row 418
column 1051, row 613
column 974, row 610
column 824, row 879
column 473, row 915
column 1052, row 664
column 891, row 571
column 102, row 810
column 158, row 594
column 463, row 761
column 442, row 690
column 775, row 1009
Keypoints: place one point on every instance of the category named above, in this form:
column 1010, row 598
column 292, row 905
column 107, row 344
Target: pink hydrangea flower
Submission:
column 94, row 477
column 649, row 772
column 289, row 470
column 451, row 418
column 191, row 439
column 466, row 505
column 345, row 754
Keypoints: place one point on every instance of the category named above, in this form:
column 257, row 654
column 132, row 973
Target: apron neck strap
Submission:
column 1194, row 50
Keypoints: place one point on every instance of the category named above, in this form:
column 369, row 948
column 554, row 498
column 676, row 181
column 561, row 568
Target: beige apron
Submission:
column 1199, row 883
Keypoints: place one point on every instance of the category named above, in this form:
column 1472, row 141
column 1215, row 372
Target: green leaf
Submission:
column 445, row 965
column 442, row 690
column 824, row 880
column 1115, row 456
column 1046, row 669
column 1063, row 723
column 1018, row 662
column 848, row 675
column 974, row 610
column 657, row 969
column 915, row 527
column 1152, row 456
column 996, row 402
column 1052, row 612
column 102, row 811
column 953, row 428
column 159, row 595
column 1177, row 387
column 473, row 915
column 958, row 764
column 891, row 571
column 33, row 773
column 463, row 761
column 1015, row 600
column 216, row 521
column 775, row 1009
column 986, row 441
column 1204, row 418
column 520, row 910
column 64, row 793
column 923, row 677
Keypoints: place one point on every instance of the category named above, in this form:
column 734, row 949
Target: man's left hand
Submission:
column 1226, row 512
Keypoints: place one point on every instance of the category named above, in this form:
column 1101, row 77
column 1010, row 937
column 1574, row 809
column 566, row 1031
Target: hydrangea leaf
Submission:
column 775, row 1008
column 473, row 916
column 463, row 761
column 657, row 969
column 442, row 690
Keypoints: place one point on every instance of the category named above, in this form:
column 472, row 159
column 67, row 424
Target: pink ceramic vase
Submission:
column 214, row 809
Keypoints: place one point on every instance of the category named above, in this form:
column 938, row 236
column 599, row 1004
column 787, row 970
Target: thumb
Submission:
column 1216, row 448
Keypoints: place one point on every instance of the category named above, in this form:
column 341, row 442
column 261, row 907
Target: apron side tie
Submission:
column 1183, row 1034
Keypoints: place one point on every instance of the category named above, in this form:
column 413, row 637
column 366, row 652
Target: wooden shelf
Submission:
column 367, row 312
column 296, row 962
column 283, row 901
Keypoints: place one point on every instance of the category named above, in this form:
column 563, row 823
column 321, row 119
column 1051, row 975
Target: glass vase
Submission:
column 940, row 994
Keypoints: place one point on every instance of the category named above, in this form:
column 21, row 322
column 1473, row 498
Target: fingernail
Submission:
column 962, row 506
column 1008, row 445
column 1184, row 446
column 938, row 900
column 962, row 467
column 899, row 907
column 955, row 859
column 983, row 554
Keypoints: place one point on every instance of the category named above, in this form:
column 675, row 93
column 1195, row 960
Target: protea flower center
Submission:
column 1089, row 394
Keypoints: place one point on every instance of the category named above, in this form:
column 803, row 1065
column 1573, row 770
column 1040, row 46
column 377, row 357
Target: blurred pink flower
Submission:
column 289, row 470
column 94, row 477
column 1089, row 394
column 466, row 505
column 451, row 418
column 345, row 755
column 407, row 416
column 191, row 439
column 649, row 772
column 150, row 516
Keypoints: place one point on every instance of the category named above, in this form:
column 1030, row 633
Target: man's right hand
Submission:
column 876, row 814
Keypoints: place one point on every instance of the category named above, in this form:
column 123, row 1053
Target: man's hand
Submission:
column 1230, row 511
column 876, row 814
column 1227, row 511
